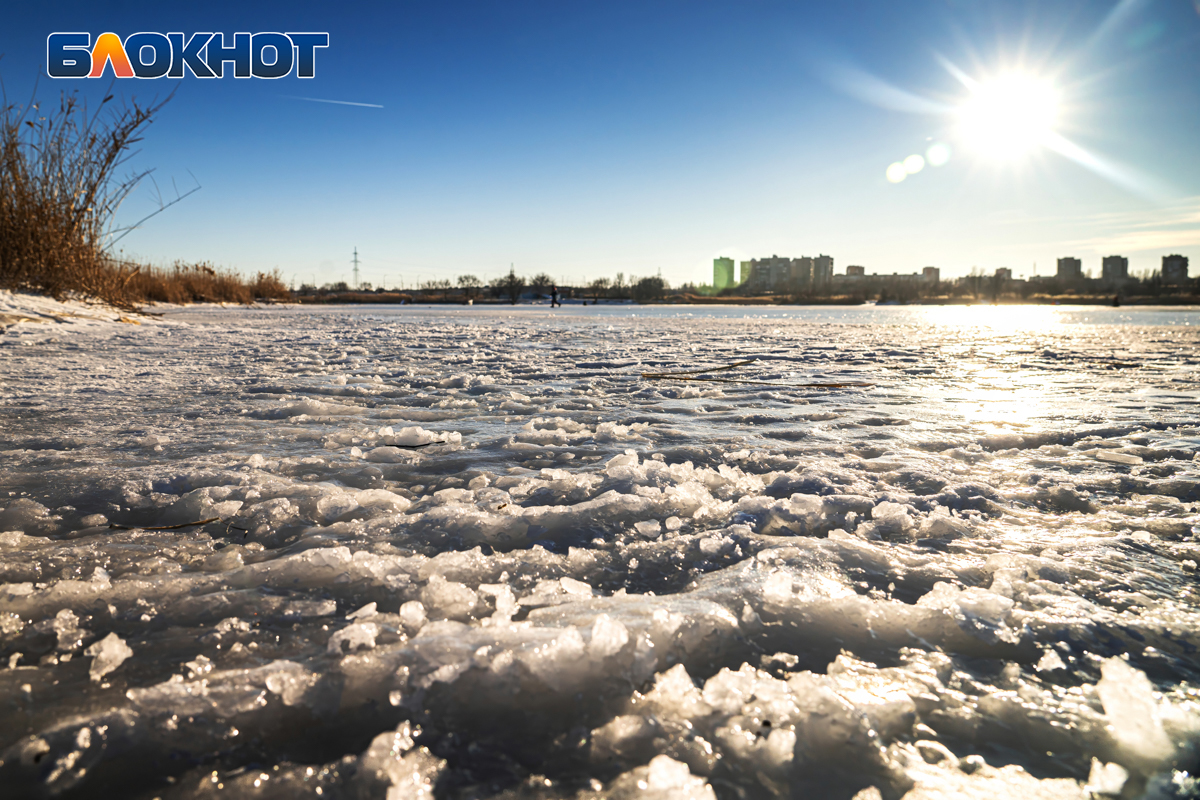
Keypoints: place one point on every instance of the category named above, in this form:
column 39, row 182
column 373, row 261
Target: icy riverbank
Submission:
column 474, row 553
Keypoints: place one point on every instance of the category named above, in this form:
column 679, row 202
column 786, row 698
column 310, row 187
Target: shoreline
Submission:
column 18, row 307
column 1059, row 300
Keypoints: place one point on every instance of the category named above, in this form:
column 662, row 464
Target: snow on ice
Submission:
column 412, row 553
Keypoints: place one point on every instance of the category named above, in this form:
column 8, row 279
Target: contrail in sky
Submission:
column 337, row 102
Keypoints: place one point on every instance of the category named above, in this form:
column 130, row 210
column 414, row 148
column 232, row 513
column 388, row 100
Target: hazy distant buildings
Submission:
column 723, row 273
column 802, row 270
column 771, row 274
column 822, row 269
column 1175, row 269
column 783, row 274
column 807, row 273
column 808, row 278
column 1070, row 269
column 856, row 280
column 1114, row 269
column 813, row 276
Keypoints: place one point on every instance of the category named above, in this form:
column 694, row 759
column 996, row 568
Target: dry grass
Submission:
column 59, row 192
column 203, row 283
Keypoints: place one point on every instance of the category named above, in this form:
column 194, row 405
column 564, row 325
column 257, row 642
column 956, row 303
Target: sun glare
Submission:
column 1009, row 116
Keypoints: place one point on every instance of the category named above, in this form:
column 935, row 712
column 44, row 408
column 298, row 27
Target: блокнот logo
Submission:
column 170, row 55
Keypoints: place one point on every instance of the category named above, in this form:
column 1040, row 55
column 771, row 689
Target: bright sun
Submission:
column 1009, row 116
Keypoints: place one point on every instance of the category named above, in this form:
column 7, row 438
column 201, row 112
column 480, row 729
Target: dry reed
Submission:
column 59, row 193
column 203, row 283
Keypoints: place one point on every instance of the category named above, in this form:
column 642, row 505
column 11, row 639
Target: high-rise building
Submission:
column 771, row 274
column 822, row 269
column 1004, row 274
column 781, row 272
column 802, row 270
column 1175, row 269
column 758, row 278
column 855, row 272
column 723, row 273
column 1070, row 268
column 1114, row 269
column 931, row 274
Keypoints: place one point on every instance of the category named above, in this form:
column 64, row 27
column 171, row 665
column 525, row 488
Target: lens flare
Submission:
column 938, row 154
column 1009, row 116
column 896, row 172
column 914, row 164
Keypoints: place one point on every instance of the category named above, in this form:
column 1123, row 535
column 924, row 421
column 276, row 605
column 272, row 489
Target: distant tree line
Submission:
column 512, row 287
column 640, row 290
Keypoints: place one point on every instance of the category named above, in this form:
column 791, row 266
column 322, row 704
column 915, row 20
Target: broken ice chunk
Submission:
column 981, row 612
column 28, row 516
column 369, row 610
column 107, row 654
column 199, row 667
column 676, row 695
column 412, row 615
column 333, row 507
column 290, row 681
column 415, row 436
column 506, row 602
column 1115, row 458
column 393, row 761
column 668, row 775
column 448, row 599
column 648, row 529
column 1132, row 712
column 383, row 500
column 359, row 636
column 1049, row 662
column 608, row 637
column 232, row 624
column 1106, row 779
column 572, row 586
column 616, row 463
column 663, row 778
column 66, row 628
column 891, row 518
column 557, row 662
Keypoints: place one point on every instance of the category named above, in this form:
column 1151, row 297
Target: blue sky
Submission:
column 589, row 138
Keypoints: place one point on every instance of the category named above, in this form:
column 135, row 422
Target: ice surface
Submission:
column 476, row 554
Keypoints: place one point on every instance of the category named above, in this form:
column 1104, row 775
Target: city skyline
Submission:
column 589, row 140
column 727, row 273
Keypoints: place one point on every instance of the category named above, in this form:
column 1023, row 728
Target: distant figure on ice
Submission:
column 1116, row 301
column 554, row 297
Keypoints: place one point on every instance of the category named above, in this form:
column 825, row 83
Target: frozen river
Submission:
column 473, row 552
